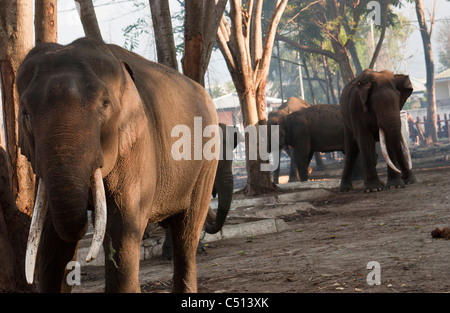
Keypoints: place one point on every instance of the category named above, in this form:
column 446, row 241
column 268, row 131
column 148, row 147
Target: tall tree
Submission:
column 16, row 36
column 201, row 21
column 248, row 57
column 162, row 26
column 45, row 21
column 426, row 32
column 335, row 22
column 16, row 176
column 88, row 18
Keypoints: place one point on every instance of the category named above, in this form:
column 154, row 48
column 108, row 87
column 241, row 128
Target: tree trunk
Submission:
column 13, row 235
column 430, row 126
column 162, row 26
column 248, row 60
column 45, row 22
column 253, row 106
column 16, row 175
column 383, row 32
column 202, row 18
column 88, row 18
column 16, row 35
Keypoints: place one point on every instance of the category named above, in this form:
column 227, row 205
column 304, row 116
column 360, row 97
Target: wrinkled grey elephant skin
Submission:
column 315, row 129
column 371, row 105
column 88, row 106
column 293, row 104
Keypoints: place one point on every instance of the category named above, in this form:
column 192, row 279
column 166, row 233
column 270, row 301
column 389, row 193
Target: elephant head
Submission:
column 382, row 95
column 72, row 127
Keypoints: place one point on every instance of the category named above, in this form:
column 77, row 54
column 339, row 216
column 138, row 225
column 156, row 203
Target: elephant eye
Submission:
column 25, row 115
column 27, row 118
column 106, row 103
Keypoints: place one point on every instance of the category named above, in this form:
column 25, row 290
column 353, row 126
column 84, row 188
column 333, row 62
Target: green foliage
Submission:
column 133, row 32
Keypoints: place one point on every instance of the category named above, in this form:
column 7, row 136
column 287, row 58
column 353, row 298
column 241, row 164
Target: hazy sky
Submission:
column 117, row 14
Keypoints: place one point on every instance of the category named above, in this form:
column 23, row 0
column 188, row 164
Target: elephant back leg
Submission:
column 302, row 159
column 185, row 229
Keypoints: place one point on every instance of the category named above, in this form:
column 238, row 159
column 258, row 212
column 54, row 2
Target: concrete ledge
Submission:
column 266, row 226
column 329, row 183
column 291, row 197
column 153, row 247
column 272, row 211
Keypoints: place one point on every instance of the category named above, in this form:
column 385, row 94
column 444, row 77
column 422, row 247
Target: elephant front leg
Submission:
column 122, row 251
column 54, row 255
column 293, row 172
column 366, row 143
column 394, row 179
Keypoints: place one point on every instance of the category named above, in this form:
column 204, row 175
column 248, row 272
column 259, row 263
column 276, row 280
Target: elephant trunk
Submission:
column 66, row 175
column 68, row 206
column 76, row 229
column 223, row 184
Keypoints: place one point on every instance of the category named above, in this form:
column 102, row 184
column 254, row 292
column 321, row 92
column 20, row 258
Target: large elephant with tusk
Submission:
column 370, row 106
column 97, row 124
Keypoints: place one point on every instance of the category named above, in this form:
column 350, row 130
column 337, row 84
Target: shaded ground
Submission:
column 327, row 249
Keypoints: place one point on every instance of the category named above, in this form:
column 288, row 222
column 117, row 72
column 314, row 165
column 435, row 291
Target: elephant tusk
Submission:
column 385, row 152
column 98, row 191
column 34, row 236
column 408, row 154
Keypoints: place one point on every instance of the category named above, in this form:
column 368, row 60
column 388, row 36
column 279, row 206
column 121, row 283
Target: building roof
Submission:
column 231, row 101
column 228, row 101
column 418, row 84
column 443, row 76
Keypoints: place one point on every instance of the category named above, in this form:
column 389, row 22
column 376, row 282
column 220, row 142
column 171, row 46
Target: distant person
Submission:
column 413, row 132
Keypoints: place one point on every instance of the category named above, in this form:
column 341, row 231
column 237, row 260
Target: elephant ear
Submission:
column 363, row 88
column 26, row 141
column 132, row 117
column 404, row 85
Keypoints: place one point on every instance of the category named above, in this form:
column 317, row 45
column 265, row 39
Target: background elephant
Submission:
column 318, row 128
column 223, row 188
column 98, row 124
column 371, row 105
column 293, row 104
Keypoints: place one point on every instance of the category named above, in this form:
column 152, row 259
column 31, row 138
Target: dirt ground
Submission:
column 328, row 249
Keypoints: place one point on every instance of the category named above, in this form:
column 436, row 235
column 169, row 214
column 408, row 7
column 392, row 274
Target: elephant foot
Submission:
column 345, row 186
column 410, row 180
column 395, row 182
column 374, row 186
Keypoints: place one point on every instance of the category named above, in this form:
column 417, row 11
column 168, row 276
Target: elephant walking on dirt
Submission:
column 98, row 124
column 371, row 105
column 293, row 104
column 318, row 128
